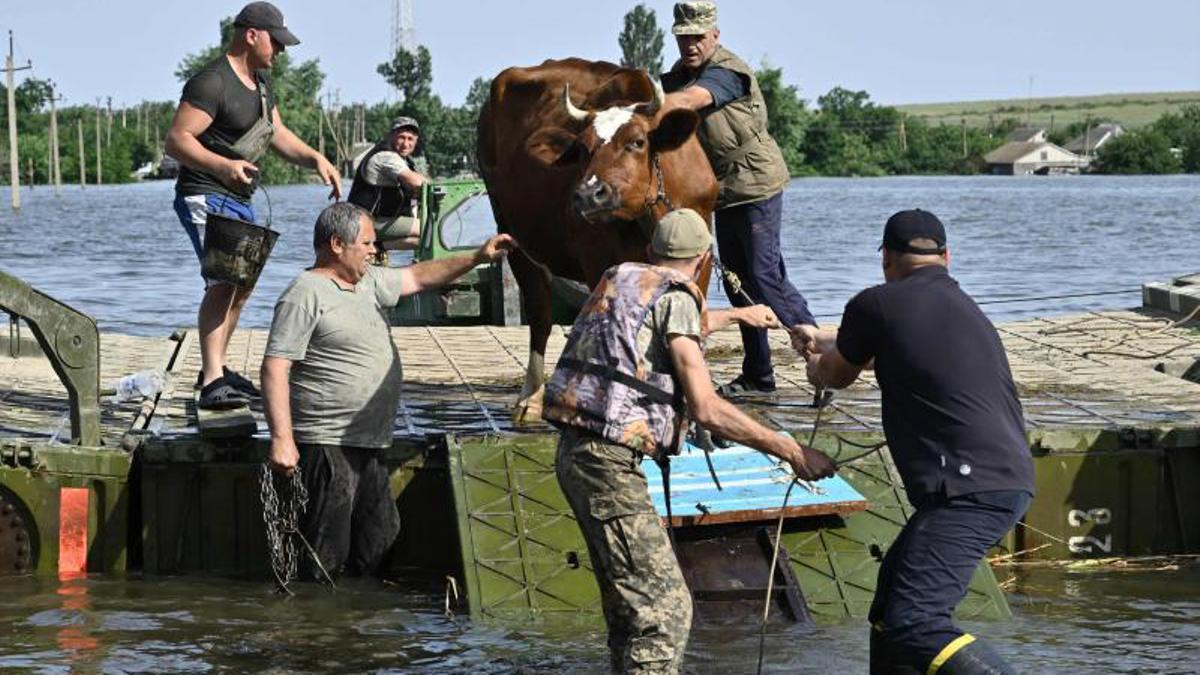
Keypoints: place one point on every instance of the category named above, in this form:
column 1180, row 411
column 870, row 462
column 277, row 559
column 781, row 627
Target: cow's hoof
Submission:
column 527, row 411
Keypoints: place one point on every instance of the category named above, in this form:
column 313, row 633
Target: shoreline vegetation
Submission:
column 843, row 134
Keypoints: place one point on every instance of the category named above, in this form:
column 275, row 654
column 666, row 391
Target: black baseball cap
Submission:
column 905, row 226
column 265, row 16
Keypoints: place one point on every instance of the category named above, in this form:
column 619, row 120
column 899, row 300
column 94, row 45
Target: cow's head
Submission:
column 616, row 153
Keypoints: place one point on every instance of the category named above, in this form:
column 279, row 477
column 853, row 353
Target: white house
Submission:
column 1016, row 159
column 1092, row 138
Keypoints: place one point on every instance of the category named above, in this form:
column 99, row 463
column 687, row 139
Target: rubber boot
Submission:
column 976, row 658
column 883, row 659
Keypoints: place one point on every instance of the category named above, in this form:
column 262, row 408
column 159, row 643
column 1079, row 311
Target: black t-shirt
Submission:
column 218, row 91
column 950, row 409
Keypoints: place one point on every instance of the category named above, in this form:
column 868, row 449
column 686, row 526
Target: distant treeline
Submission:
column 845, row 135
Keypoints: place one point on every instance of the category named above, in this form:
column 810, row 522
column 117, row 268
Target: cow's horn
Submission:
column 651, row 107
column 575, row 113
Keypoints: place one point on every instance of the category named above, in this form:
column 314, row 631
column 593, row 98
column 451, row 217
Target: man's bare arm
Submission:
column 290, row 147
column 277, row 406
column 693, row 98
column 183, row 143
column 757, row 316
column 726, row 420
column 831, row 369
column 434, row 273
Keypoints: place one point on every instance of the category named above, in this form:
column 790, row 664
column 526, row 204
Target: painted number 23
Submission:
column 1077, row 518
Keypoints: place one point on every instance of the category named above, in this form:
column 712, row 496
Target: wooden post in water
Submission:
column 55, row 163
column 99, row 170
column 14, row 162
column 82, row 161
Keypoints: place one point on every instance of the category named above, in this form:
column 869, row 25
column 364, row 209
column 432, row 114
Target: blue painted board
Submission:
column 754, row 486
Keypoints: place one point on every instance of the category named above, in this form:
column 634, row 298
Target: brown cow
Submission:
column 579, row 172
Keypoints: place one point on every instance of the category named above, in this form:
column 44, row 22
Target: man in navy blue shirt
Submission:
column 955, row 429
column 734, row 133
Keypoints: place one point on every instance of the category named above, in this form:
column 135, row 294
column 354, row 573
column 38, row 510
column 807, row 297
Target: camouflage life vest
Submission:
column 603, row 383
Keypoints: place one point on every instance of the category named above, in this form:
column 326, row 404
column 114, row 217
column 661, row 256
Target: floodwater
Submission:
column 119, row 254
column 1066, row 621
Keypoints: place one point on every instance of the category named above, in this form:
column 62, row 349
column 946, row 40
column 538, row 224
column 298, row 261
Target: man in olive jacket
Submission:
column 720, row 86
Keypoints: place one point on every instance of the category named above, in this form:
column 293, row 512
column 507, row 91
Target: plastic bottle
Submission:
column 141, row 384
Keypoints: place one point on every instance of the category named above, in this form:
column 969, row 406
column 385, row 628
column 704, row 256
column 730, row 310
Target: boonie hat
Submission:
column 402, row 121
column 905, row 226
column 682, row 233
column 265, row 16
column 694, row 18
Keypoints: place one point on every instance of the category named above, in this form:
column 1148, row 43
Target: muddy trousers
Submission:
column 646, row 603
column 925, row 575
column 351, row 520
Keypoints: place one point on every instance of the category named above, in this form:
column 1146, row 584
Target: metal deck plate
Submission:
column 753, row 486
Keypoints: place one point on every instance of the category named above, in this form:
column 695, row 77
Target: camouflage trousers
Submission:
column 647, row 606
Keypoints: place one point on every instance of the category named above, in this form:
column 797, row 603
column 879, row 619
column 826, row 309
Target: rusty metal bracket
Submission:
column 71, row 341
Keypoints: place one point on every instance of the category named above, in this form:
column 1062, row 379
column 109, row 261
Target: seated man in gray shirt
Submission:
column 387, row 182
column 331, row 384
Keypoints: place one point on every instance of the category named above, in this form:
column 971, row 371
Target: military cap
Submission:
column 694, row 18
column 682, row 234
column 403, row 122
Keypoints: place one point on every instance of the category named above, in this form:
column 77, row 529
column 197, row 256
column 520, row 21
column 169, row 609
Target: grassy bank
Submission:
column 1133, row 109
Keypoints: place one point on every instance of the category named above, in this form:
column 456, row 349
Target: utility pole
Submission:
column 108, row 132
column 123, row 116
column 1029, row 104
column 903, row 136
column 963, row 126
column 82, row 161
column 320, row 128
column 99, row 170
column 55, row 164
column 14, row 165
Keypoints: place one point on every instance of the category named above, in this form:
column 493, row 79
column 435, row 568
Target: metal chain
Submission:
column 282, row 520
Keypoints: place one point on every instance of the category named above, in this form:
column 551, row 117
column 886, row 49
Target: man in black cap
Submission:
column 387, row 183
column 956, row 432
column 225, row 123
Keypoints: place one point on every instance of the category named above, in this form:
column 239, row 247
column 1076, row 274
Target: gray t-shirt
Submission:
column 675, row 313
column 345, row 376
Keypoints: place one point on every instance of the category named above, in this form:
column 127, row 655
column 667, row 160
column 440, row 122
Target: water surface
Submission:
column 119, row 253
column 1065, row 622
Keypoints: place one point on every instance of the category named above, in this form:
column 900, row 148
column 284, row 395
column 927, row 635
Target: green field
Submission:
column 1131, row 110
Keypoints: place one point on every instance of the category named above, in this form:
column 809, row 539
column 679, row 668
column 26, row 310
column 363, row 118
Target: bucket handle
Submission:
column 256, row 184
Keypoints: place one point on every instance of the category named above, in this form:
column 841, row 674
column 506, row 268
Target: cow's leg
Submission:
column 534, row 282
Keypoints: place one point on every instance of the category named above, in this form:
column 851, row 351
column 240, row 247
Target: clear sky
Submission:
column 900, row 51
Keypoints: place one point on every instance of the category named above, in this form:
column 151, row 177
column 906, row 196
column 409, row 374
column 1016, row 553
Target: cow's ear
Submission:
column 553, row 146
column 674, row 128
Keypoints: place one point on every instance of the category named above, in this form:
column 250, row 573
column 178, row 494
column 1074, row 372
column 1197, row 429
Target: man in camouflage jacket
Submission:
column 631, row 375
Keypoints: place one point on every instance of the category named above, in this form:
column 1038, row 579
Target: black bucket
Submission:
column 235, row 251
